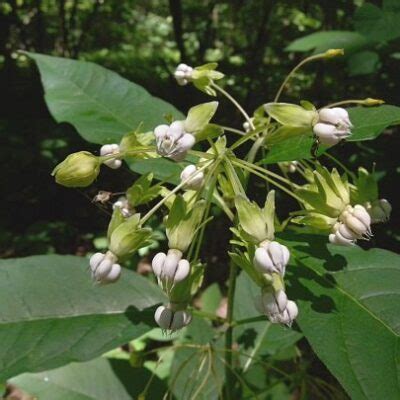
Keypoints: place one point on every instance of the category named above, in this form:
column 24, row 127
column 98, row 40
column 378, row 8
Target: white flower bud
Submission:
column 104, row 268
column 109, row 149
column 379, row 211
column 170, row 267
column 342, row 236
column 274, row 302
column 183, row 74
column 357, row 220
column 172, row 141
column 163, row 316
column 196, row 182
column 123, row 204
column 271, row 257
column 288, row 315
column 335, row 116
column 171, row 320
column 330, row 135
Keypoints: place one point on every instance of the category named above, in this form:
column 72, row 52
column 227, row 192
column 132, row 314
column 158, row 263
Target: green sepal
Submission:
column 210, row 131
column 257, row 223
column 116, row 220
column 291, row 114
column 286, row 132
column 135, row 141
column 315, row 220
column 141, row 192
column 182, row 223
column 199, row 116
column 128, row 237
column 243, row 261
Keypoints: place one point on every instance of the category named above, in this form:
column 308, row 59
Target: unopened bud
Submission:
column 357, row 220
column 77, row 170
column 170, row 320
column 104, row 268
column 183, row 74
column 271, row 257
column 109, row 149
column 379, row 210
column 274, row 302
column 194, row 183
column 373, row 102
column 170, row 267
column 333, row 53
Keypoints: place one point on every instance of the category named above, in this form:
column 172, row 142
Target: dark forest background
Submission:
column 144, row 41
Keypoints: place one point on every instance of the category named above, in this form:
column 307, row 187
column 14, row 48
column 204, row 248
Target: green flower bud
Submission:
column 77, row 170
column 128, row 237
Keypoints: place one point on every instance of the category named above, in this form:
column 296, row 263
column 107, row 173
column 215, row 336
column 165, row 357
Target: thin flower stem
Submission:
column 126, row 154
column 233, row 130
column 245, row 138
column 278, row 185
column 294, row 70
column 262, row 170
column 236, row 184
column 363, row 102
column 237, row 105
column 172, row 192
column 229, row 377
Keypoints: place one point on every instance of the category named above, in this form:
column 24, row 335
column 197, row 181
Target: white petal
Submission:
column 158, row 263
column 182, row 271
column 95, row 260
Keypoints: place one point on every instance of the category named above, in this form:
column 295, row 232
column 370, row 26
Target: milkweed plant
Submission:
column 340, row 204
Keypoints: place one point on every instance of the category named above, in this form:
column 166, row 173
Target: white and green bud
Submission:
column 77, row 170
column 289, row 166
column 183, row 74
column 170, row 267
column 104, row 267
column 123, row 204
column 273, row 302
column 172, row 141
column 271, row 257
column 170, row 320
column 355, row 223
column 110, row 149
column 333, row 126
column 379, row 210
column 288, row 315
column 194, row 183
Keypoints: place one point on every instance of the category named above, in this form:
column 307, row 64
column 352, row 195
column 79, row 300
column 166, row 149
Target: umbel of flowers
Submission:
column 340, row 205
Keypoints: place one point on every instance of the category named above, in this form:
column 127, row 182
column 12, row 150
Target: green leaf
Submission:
column 378, row 24
column 370, row 122
column 52, row 314
column 363, row 63
column 141, row 192
column 349, row 312
column 99, row 379
column 322, row 41
column 99, row 103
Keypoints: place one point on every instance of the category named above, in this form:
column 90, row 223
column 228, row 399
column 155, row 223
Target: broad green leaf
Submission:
column 378, row 24
column 99, row 379
column 99, row 103
column 370, row 122
column 322, row 41
column 52, row 314
column 211, row 299
column 363, row 63
column 349, row 312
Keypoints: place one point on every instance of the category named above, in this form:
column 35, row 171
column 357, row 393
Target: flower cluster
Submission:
column 341, row 206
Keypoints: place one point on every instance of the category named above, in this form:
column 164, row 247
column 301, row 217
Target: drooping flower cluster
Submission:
column 343, row 210
column 333, row 125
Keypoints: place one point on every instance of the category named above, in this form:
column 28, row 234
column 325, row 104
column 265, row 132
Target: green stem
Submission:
column 229, row 376
column 233, row 130
column 235, row 103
